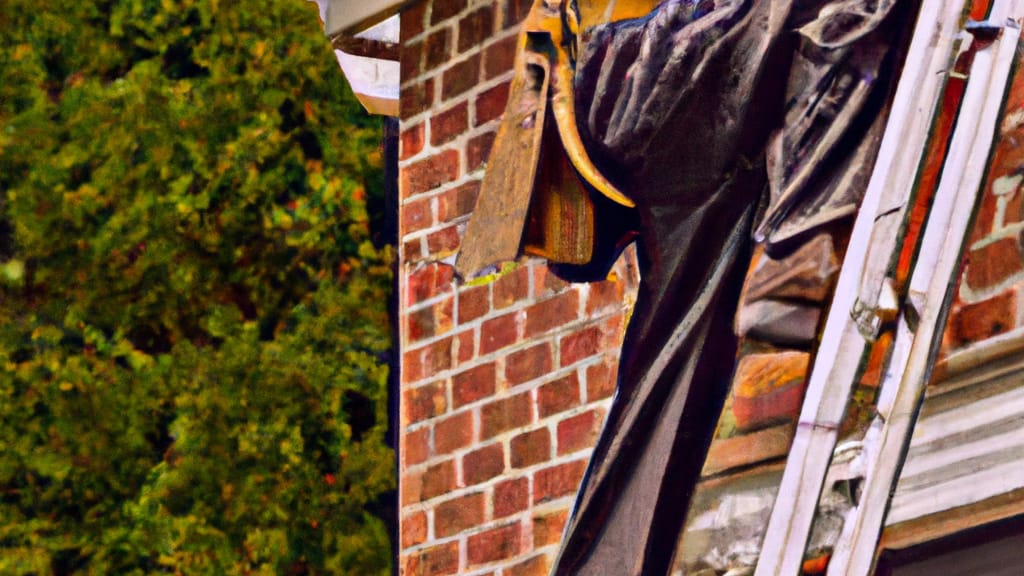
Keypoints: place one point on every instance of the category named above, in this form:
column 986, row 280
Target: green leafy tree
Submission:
column 192, row 313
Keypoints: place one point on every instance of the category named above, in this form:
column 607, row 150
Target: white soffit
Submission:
column 968, row 445
column 365, row 34
column 374, row 80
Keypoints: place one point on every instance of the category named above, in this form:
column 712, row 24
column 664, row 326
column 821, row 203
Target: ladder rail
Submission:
column 903, row 384
column 865, row 265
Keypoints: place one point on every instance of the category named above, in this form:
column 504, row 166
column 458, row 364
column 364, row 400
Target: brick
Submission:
column 416, row 447
column 511, row 497
column 538, row 565
column 499, row 57
column 416, row 98
column 1003, row 184
column 453, row 433
column 474, row 302
column 557, row 481
column 530, row 448
column 769, row 388
column 446, row 125
column 445, row 9
column 505, row 414
column 605, row 295
column 433, row 561
column 430, row 173
column 427, row 361
column 546, row 283
column 458, row 514
column 528, row 364
column 457, row 202
column 460, row 78
column 412, row 488
column 439, row 479
column 411, row 63
column 424, row 402
column 612, row 329
column 465, row 346
column 413, row 20
column 579, row 432
column 498, row 333
column 579, row 345
column 481, row 465
column 515, row 11
column 412, row 141
column 475, row 27
column 443, row 242
column 976, row 322
column 478, row 150
column 434, row 320
column 492, row 545
column 428, row 282
column 601, row 380
column 512, row 287
column 490, row 104
column 984, row 219
column 740, row 451
column 473, row 384
column 416, row 216
column 437, row 48
column 558, row 395
column 414, row 529
column 413, row 250
column 553, row 313
column 990, row 265
column 548, row 527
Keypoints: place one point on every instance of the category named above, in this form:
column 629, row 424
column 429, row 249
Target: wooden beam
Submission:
column 366, row 47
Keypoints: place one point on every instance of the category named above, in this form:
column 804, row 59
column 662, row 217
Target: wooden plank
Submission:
column 873, row 241
column 367, row 47
column 910, row 363
column 495, row 229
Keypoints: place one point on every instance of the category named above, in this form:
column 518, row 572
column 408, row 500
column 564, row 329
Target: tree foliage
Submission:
column 192, row 313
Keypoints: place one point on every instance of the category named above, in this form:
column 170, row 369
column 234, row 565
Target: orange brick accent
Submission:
column 505, row 381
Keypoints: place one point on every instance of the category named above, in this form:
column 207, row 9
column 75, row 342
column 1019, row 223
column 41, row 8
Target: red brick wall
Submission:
column 988, row 299
column 505, row 381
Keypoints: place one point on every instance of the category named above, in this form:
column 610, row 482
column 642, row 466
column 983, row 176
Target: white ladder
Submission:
column 863, row 292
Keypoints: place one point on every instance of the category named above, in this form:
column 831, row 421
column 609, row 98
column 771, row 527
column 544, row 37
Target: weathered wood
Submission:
column 561, row 223
column 366, row 47
column 779, row 322
column 540, row 113
column 910, row 363
column 872, row 243
column 804, row 275
column 499, row 218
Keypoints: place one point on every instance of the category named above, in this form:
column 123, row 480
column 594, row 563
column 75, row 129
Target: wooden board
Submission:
column 495, row 230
